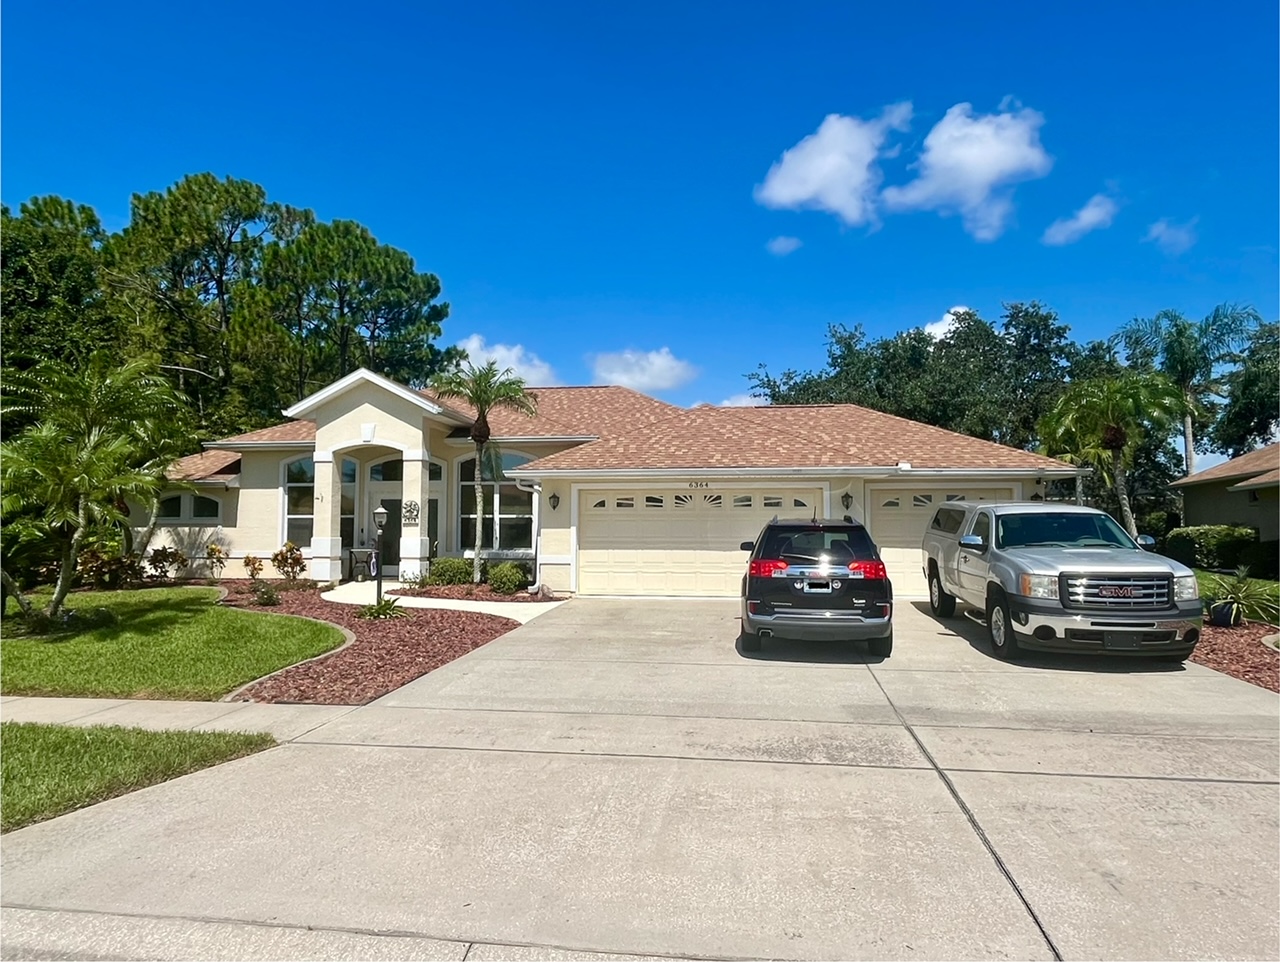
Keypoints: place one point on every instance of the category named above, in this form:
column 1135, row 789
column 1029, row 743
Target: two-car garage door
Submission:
column 656, row 541
column 897, row 521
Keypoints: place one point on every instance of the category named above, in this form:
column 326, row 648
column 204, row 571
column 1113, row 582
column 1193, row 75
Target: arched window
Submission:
column 511, row 506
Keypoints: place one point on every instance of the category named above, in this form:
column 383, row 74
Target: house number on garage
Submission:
column 699, row 484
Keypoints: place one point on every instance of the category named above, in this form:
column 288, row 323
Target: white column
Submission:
column 326, row 535
column 415, row 546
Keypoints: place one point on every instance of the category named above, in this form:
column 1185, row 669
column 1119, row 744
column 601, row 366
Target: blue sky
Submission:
column 598, row 186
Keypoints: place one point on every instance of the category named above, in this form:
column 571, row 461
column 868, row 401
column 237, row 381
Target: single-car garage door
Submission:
column 655, row 541
column 898, row 518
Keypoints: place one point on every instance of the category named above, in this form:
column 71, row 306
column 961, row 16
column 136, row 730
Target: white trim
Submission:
column 576, row 489
column 365, row 376
column 354, row 444
column 885, row 473
column 455, row 483
column 530, row 439
column 259, row 445
column 555, row 559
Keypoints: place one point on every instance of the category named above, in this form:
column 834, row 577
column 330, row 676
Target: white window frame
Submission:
column 186, row 513
column 493, row 498
column 284, row 500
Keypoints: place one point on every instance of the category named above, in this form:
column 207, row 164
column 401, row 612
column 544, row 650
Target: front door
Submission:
column 390, row 498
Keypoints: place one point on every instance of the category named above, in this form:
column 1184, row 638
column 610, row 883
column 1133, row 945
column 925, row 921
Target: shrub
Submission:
column 450, row 571
column 265, row 595
column 106, row 571
column 1263, row 559
column 1238, row 596
column 1214, row 546
column 386, row 608
column 507, row 578
column 289, row 561
column 253, row 565
column 216, row 556
column 162, row 559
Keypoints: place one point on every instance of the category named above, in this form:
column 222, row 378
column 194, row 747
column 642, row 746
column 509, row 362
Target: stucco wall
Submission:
column 1214, row 504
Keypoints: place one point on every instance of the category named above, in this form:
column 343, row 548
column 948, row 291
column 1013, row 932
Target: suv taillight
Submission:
column 765, row 569
column 869, row 569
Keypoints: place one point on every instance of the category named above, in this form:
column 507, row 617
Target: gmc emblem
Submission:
column 1115, row 591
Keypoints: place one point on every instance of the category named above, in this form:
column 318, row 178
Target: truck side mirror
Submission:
column 1146, row 542
column 972, row 542
column 748, row 546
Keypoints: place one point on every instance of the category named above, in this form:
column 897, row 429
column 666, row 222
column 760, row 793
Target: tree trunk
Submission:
column 144, row 539
column 1122, row 491
column 475, row 563
column 1189, row 440
column 11, row 588
column 67, row 572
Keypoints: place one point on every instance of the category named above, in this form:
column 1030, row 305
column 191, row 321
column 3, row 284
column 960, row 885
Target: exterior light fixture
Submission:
column 554, row 500
column 846, row 499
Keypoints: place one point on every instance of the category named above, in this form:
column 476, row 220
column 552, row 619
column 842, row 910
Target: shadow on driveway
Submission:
column 812, row 652
column 976, row 635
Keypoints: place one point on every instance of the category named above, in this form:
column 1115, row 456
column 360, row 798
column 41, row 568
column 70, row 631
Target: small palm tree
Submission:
column 1189, row 353
column 486, row 389
column 94, row 437
column 1111, row 415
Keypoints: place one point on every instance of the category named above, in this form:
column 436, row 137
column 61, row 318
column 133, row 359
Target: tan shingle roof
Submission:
column 1270, row 479
column 1255, row 462
column 277, row 434
column 206, row 466
column 575, row 412
column 818, row 436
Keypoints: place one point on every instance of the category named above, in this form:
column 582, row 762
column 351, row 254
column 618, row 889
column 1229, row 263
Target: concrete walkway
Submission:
column 365, row 592
column 285, row 722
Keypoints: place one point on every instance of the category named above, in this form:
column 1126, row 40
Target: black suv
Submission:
column 816, row 580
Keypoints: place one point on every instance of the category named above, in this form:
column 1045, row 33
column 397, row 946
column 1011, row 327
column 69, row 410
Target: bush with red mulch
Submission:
column 467, row 593
column 386, row 654
column 1240, row 653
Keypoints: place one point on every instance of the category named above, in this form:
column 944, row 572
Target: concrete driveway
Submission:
column 618, row 778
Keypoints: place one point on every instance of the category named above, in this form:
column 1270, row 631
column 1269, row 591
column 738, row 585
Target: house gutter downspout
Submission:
column 535, row 488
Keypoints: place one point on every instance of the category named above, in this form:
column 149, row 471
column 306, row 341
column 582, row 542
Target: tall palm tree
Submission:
column 1188, row 354
column 1111, row 415
column 93, row 438
column 486, row 389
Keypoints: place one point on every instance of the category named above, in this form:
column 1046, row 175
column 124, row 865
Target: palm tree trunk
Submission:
column 70, row 553
column 1122, row 491
column 475, row 562
column 144, row 539
column 11, row 588
column 1189, row 440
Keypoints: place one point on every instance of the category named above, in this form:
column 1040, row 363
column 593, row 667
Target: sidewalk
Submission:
column 366, row 592
column 285, row 722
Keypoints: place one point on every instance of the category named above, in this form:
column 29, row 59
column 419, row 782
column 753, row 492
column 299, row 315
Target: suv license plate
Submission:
column 817, row 587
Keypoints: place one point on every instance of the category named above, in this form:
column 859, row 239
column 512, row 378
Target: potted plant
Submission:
column 1234, row 598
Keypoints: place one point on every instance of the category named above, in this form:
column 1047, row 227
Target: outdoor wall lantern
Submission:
column 846, row 499
column 554, row 500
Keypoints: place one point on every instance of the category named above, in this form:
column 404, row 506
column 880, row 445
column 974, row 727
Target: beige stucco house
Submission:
column 606, row 491
column 1244, row 491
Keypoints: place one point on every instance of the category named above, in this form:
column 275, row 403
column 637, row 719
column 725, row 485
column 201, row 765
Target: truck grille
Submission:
column 1116, row 592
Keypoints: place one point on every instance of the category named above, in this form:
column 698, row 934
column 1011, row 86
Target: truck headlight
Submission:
column 1186, row 588
column 1038, row 586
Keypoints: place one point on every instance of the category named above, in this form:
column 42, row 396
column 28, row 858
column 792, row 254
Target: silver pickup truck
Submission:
column 1059, row 578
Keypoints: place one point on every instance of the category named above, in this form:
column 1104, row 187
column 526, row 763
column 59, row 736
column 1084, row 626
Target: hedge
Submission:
column 1213, row 546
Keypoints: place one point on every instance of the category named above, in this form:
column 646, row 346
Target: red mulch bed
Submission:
column 385, row 655
column 1240, row 653
column 467, row 593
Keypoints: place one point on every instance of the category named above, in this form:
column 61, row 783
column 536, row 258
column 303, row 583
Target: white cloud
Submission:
column 1173, row 239
column 643, row 370
column 782, row 246
column 970, row 163
column 525, row 363
column 1097, row 213
column 743, row 401
column 943, row 325
column 834, row 169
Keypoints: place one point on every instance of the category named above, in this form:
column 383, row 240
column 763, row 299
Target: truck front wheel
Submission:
column 1000, row 627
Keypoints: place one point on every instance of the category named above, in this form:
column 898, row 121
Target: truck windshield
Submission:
column 1066, row 530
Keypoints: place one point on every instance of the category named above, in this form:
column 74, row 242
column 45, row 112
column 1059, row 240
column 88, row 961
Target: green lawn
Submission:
column 168, row 643
column 49, row 770
column 1205, row 577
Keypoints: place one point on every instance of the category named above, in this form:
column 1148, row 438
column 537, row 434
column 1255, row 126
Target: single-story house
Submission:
column 606, row 491
column 1244, row 491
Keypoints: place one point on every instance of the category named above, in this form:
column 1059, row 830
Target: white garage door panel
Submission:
column 898, row 519
column 676, row 541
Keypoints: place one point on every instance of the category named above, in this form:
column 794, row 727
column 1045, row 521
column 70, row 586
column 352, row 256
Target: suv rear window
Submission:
column 948, row 520
column 839, row 544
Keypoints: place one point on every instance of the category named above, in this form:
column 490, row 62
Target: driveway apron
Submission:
column 618, row 777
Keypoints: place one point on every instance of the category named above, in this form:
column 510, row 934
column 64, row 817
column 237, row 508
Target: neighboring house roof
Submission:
column 1269, row 480
column 1264, row 461
column 210, row 466
column 791, row 436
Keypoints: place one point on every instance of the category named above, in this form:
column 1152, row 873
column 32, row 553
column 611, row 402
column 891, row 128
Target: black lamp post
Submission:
column 379, row 522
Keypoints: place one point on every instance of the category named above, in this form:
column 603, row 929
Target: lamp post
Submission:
column 379, row 522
